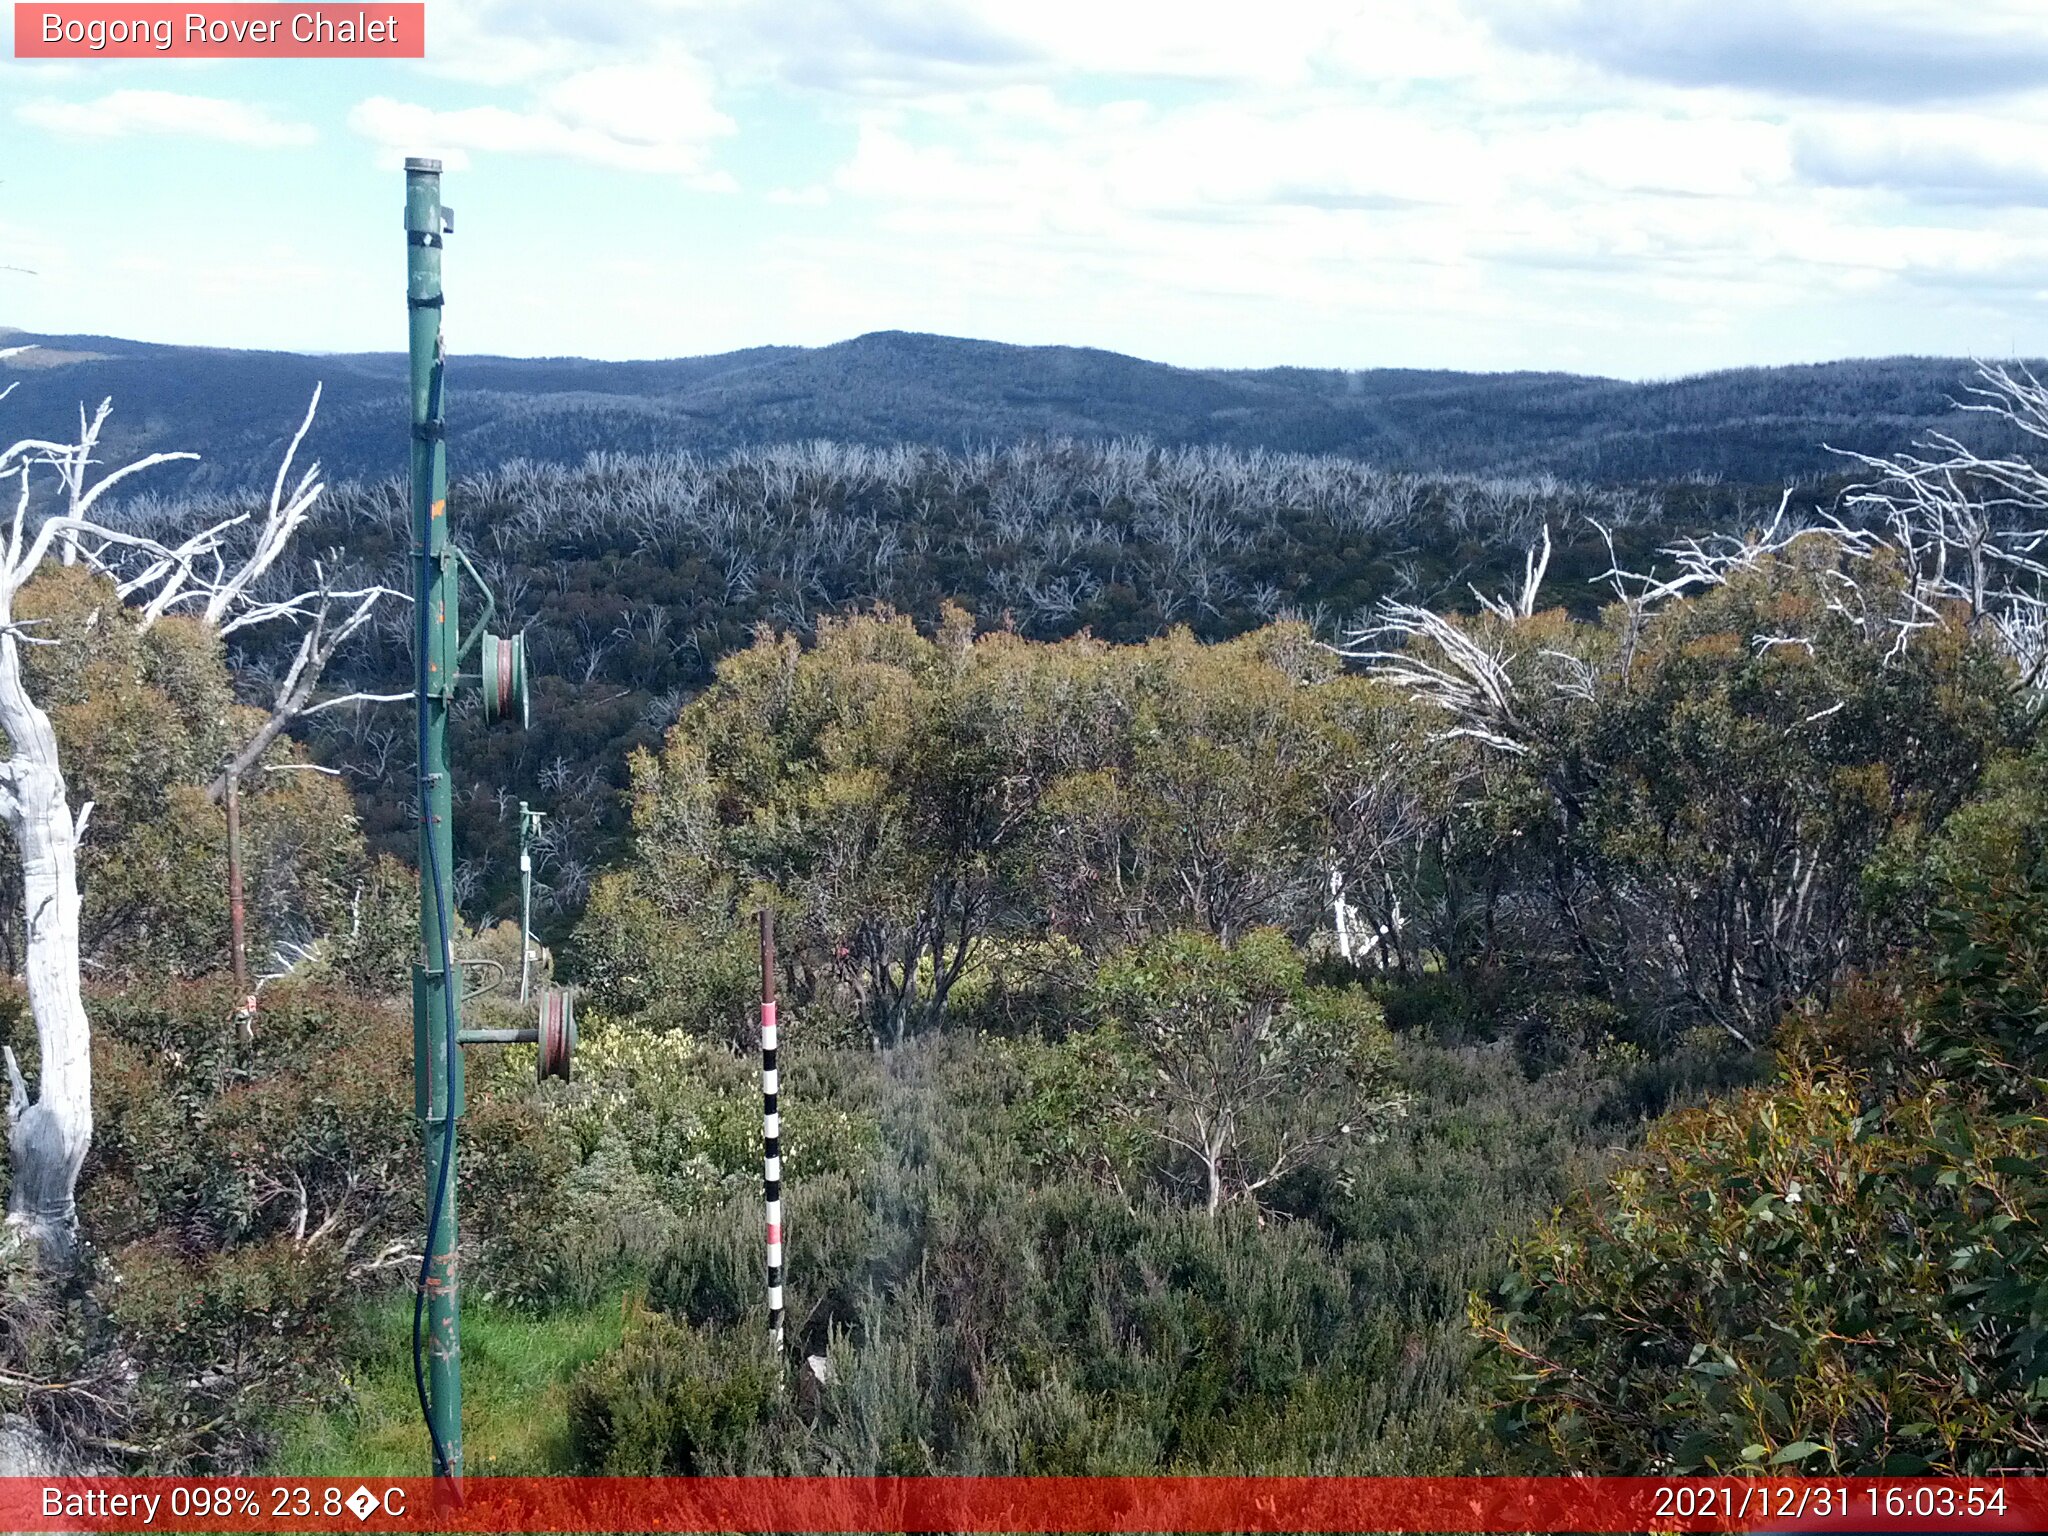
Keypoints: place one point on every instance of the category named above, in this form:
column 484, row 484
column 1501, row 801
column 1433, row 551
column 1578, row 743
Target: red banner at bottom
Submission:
column 1062, row 1504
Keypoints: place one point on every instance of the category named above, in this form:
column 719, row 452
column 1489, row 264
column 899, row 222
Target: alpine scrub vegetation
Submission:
column 1168, row 892
column 1253, row 1075
column 634, row 575
column 1839, row 1272
column 1842, row 1270
column 1601, row 1030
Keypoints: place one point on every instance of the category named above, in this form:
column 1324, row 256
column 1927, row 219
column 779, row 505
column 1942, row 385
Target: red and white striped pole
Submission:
column 771, row 1129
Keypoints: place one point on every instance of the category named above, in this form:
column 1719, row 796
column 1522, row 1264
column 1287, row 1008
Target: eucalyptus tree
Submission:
column 1746, row 727
column 1255, row 1075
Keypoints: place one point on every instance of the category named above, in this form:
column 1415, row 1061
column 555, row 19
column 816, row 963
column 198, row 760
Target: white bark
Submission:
column 50, row 1129
column 224, row 587
column 294, row 696
column 47, row 1136
column 1535, row 562
column 1340, row 913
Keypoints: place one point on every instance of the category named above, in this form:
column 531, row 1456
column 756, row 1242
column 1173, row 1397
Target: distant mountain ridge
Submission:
column 1757, row 425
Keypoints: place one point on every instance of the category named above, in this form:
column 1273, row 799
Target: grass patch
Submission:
column 516, row 1370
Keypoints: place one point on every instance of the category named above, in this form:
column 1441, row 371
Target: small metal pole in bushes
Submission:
column 529, row 834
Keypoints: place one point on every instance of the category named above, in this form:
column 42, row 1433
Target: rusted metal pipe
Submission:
column 498, row 1037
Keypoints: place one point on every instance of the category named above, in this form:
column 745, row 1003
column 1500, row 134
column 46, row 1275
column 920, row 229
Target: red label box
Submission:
column 699, row 1506
column 367, row 29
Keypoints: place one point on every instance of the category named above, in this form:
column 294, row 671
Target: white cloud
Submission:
column 1634, row 150
column 1894, row 51
column 121, row 114
column 1549, row 200
column 1202, row 40
column 1110, row 164
column 664, row 106
column 1936, row 158
column 1586, row 182
column 653, row 117
column 28, row 251
column 1071, row 170
column 514, row 42
column 912, row 49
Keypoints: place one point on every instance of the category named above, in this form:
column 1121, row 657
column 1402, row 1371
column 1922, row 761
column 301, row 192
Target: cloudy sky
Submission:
column 1641, row 188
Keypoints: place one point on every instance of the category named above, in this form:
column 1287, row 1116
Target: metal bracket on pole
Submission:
column 483, row 619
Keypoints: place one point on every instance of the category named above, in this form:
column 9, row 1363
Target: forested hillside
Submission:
column 633, row 575
column 1756, row 427
column 1284, row 965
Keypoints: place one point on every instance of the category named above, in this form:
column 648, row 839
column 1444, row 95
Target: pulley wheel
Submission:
column 557, row 1033
column 503, row 665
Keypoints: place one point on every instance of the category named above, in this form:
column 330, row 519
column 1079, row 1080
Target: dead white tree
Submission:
column 331, row 616
column 1467, row 675
column 1933, row 536
column 50, row 1130
column 231, row 597
column 1968, row 531
column 48, row 1134
column 1535, row 562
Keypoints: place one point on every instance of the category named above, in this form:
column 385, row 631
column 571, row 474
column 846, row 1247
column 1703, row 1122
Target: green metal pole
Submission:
column 437, row 1063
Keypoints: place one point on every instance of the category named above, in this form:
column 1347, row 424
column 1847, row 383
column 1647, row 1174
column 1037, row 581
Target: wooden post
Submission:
column 245, row 1000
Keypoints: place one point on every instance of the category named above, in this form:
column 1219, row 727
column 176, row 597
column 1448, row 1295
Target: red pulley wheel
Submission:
column 502, row 678
column 503, row 681
column 557, row 1033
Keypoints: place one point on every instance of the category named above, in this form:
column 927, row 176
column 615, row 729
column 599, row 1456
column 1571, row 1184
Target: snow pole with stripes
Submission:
column 771, row 1129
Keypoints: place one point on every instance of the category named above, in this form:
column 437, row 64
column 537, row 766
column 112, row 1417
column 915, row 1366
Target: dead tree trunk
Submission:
column 49, row 1132
column 47, row 1135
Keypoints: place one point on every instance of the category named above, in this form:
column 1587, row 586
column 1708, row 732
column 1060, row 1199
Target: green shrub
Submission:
column 1789, row 1279
column 671, row 1401
column 1838, row 1272
column 308, row 1131
column 606, row 1180
column 242, row 1197
column 1071, row 1108
column 1023, row 988
column 988, row 1307
column 1248, row 1074
column 702, row 975
column 226, row 1339
column 374, row 952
